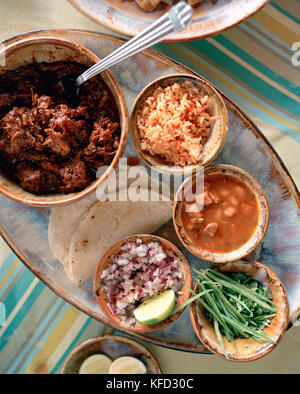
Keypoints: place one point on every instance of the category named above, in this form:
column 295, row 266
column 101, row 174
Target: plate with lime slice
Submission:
column 110, row 354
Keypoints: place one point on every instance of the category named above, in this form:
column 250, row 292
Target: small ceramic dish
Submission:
column 48, row 49
column 216, row 140
column 113, row 346
column 129, row 323
column 246, row 349
column 263, row 214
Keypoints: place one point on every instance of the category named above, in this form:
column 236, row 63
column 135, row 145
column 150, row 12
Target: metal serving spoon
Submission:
column 175, row 20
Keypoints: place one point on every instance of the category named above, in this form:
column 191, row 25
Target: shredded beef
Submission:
column 46, row 144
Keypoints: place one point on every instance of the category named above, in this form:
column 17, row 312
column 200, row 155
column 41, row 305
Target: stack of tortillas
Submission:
column 80, row 233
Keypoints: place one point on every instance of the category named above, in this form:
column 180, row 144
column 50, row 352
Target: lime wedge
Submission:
column 127, row 365
column 156, row 309
column 95, row 364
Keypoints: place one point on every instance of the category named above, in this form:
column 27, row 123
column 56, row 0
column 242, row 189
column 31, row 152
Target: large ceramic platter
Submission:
column 25, row 228
column 127, row 18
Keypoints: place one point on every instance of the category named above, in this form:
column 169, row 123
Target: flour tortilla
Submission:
column 62, row 224
column 107, row 222
column 80, row 233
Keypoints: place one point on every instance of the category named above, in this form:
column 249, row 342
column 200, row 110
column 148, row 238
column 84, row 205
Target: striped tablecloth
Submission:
column 257, row 65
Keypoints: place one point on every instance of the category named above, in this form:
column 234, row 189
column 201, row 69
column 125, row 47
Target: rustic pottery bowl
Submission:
column 127, row 323
column 113, row 346
column 263, row 221
column 127, row 18
column 47, row 49
column 216, row 140
column 247, row 349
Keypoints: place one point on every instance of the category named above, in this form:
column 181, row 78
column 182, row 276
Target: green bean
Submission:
column 226, row 278
column 263, row 317
column 235, row 332
column 249, row 330
column 227, row 313
column 215, row 308
column 219, row 338
column 195, row 297
column 244, row 291
column 241, row 303
column 231, row 307
column 207, row 307
column 234, row 309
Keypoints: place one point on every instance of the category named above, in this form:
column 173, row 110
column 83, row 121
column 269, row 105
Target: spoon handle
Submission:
column 175, row 20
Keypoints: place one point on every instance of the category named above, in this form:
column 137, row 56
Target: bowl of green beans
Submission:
column 240, row 310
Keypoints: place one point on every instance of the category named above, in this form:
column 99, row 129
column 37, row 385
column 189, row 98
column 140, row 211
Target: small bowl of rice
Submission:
column 136, row 269
column 178, row 123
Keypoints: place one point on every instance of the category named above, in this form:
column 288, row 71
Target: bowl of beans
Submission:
column 222, row 214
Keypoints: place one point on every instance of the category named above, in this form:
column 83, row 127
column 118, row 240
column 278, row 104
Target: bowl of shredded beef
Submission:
column 51, row 145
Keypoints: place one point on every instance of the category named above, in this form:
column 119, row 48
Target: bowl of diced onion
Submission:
column 136, row 270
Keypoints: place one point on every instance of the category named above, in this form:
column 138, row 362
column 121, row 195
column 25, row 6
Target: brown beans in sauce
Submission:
column 226, row 220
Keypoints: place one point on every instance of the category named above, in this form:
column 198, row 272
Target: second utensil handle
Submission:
column 175, row 20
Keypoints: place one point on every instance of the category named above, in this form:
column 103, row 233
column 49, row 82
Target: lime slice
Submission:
column 127, row 365
column 156, row 309
column 95, row 364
